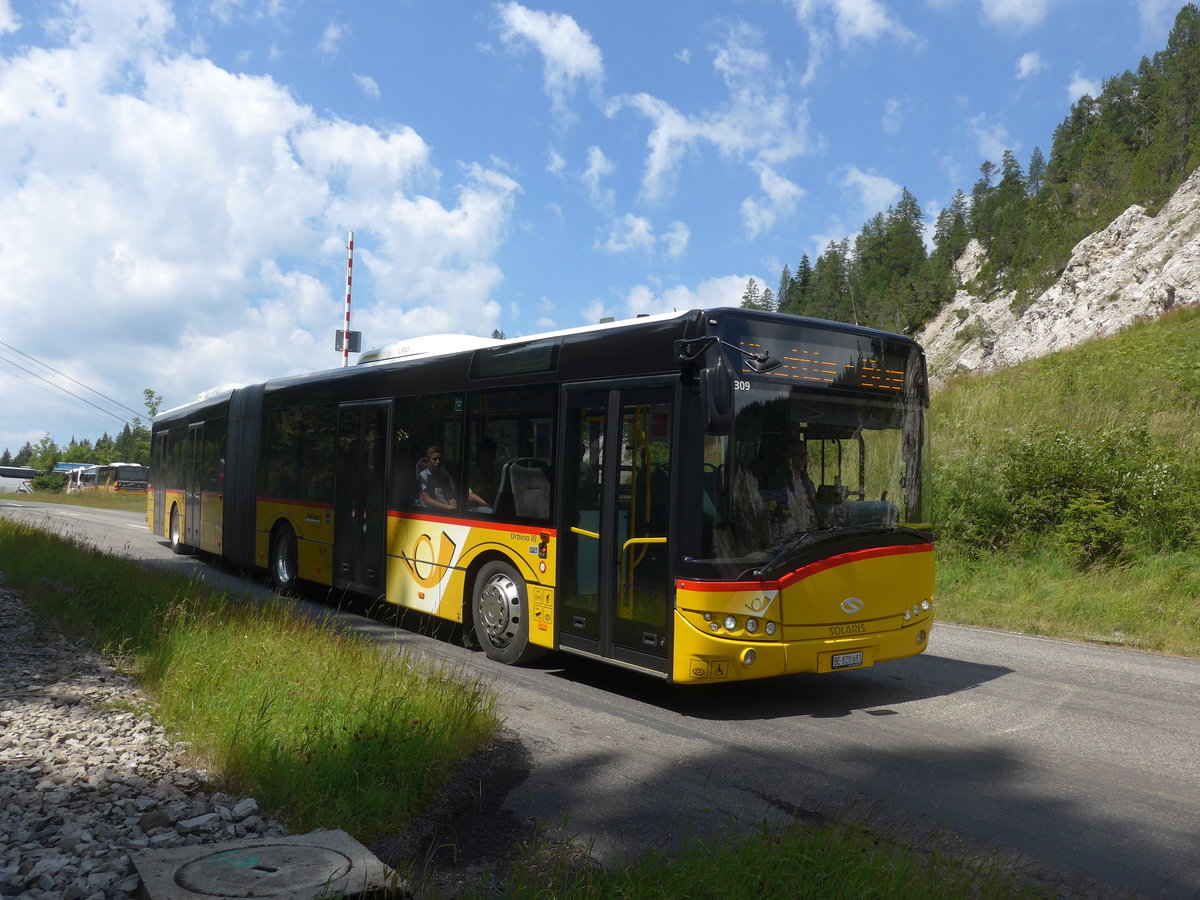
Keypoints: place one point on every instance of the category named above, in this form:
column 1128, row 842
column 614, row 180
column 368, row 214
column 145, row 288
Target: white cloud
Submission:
column 684, row 56
column 1029, row 64
column 1080, row 86
column 635, row 234
column 761, row 122
column 629, row 233
column 556, row 164
column 992, row 138
column 1019, row 15
column 676, row 239
column 331, row 38
column 725, row 290
column 759, row 214
column 854, row 22
column 599, row 167
column 182, row 209
column 1157, row 17
column 893, row 116
column 568, row 54
column 368, row 85
column 876, row 193
column 9, row 20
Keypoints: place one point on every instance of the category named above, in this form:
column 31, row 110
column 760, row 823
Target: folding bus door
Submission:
column 193, row 462
column 614, row 573
column 360, row 504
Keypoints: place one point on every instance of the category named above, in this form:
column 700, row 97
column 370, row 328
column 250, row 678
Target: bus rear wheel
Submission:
column 175, row 534
column 500, row 610
column 283, row 558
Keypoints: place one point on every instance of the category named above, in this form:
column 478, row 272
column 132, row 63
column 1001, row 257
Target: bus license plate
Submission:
column 847, row 660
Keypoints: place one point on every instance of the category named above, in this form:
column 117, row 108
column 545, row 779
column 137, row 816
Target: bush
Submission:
column 1101, row 493
column 51, row 484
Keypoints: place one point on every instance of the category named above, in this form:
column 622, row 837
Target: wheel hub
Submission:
column 500, row 609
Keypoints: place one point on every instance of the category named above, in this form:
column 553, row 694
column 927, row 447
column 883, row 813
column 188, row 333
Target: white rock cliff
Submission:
column 1137, row 268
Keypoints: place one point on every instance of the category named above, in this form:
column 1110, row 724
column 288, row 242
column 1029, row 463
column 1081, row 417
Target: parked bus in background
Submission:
column 122, row 477
column 17, row 479
column 706, row 496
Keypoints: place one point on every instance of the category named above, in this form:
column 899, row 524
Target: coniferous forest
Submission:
column 1135, row 143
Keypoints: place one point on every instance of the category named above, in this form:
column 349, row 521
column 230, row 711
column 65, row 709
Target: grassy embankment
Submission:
column 323, row 728
column 327, row 732
column 1068, row 492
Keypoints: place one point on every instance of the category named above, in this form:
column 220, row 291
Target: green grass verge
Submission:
column 799, row 860
column 1149, row 604
column 323, row 728
column 95, row 499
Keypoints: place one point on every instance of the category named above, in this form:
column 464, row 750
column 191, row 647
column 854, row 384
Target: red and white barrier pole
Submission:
column 349, row 279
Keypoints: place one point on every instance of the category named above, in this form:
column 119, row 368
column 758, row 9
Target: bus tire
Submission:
column 284, row 560
column 175, row 532
column 500, row 611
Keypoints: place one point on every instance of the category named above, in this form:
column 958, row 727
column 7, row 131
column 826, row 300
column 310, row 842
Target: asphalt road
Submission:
column 1083, row 761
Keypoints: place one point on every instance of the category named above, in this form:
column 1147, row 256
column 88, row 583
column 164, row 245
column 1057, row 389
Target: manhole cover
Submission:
column 262, row 870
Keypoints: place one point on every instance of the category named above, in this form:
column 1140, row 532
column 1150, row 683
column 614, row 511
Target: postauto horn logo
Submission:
column 852, row 605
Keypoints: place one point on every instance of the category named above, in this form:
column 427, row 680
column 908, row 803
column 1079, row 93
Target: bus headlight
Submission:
column 748, row 657
column 926, row 606
column 908, row 615
column 770, row 629
column 752, row 625
column 731, row 623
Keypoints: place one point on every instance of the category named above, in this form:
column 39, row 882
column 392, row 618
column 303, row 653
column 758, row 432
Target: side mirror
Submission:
column 716, row 398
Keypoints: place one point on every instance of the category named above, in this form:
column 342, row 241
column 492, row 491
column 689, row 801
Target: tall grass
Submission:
column 322, row 728
column 1068, row 491
column 797, row 860
column 128, row 502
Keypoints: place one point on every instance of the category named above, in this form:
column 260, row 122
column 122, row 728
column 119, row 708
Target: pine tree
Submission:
column 6, row 458
column 751, row 297
column 783, row 298
column 1037, row 172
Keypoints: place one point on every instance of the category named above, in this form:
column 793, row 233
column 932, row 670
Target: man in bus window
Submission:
column 434, row 482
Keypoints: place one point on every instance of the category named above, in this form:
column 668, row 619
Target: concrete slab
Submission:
column 297, row 867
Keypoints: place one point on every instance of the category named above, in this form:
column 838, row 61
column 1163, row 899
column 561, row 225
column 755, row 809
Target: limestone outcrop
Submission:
column 1137, row 268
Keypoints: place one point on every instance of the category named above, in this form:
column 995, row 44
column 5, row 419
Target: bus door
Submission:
column 193, row 462
column 614, row 574
column 360, row 505
column 161, row 477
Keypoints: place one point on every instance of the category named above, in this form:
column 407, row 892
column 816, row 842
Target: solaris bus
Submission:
column 707, row 496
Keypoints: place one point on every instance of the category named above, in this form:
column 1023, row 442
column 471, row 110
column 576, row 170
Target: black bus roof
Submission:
column 622, row 348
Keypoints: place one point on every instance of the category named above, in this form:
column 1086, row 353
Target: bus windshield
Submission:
column 809, row 461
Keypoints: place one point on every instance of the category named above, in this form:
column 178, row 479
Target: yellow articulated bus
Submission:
column 706, row 496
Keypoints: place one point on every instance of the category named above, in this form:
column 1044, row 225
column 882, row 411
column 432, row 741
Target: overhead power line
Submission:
column 69, row 378
column 27, row 374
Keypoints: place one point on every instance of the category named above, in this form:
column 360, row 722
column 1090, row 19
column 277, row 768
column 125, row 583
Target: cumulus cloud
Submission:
column 893, row 116
column 598, row 168
column 368, row 85
column 331, row 39
column 876, row 193
column 1080, row 86
column 991, row 137
column 779, row 200
column 635, row 234
column 854, row 22
column 1018, row 15
column 1029, row 64
column 183, row 210
column 568, row 54
column 723, row 291
column 9, row 21
column 761, row 122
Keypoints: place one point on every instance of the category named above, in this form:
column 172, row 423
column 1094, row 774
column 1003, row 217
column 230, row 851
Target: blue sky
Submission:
column 177, row 180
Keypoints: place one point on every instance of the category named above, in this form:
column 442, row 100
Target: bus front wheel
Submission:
column 500, row 610
column 283, row 558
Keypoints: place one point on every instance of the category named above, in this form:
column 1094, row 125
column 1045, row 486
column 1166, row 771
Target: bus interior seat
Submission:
column 524, row 489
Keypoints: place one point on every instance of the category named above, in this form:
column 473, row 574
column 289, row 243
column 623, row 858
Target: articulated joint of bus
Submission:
column 845, row 612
